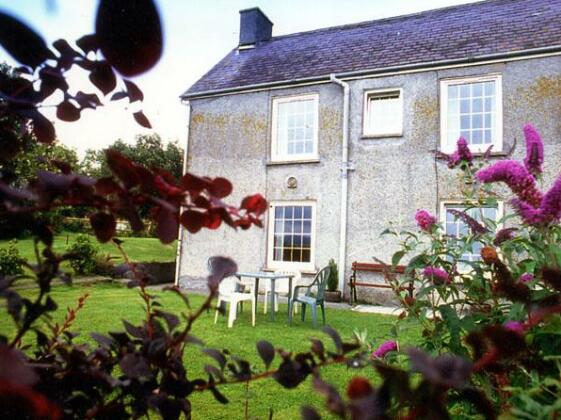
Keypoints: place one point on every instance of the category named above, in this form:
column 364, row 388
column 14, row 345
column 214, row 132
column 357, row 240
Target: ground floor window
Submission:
column 291, row 234
column 456, row 227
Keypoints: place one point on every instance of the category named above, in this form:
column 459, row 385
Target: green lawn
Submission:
column 108, row 304
column 138, row 249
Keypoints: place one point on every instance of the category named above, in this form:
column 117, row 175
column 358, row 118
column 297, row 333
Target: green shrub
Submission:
column 104, row 265
column 333, row 279
column 11, row 262
column 84, row 255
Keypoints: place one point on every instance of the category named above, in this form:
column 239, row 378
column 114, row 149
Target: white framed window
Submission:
column 471, row 108
column 291, row 235
column 294, row 134
column 383, row 113
column 456, row 227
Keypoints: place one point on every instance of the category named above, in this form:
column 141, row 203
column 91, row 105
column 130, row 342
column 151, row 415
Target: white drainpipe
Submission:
column 344, row 181
column 180, row 235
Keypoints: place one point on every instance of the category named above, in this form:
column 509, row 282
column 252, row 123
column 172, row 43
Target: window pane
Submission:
column 296, row 127
column 456, row 227
column 292, row 233
column 384, row 113
column 476, row 108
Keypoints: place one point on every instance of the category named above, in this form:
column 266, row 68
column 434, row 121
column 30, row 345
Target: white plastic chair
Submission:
column 281, row 287
column 227, row 293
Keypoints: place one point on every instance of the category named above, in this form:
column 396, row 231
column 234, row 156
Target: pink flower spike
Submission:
column 437, row 275
column 534, row 150
column 462, row 154
column 526, row 277
column 425, row 220
column 516, row 176
column 385, row 348
column 515, row 326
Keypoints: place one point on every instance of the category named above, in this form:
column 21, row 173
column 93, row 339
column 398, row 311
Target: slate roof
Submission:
column 469, row 31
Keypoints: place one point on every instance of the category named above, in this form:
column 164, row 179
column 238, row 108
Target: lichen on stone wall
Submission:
column 543, row 95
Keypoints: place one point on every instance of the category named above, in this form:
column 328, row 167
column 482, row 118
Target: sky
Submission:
column 197, row 34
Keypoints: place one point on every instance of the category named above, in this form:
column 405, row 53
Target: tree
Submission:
column 148, row 150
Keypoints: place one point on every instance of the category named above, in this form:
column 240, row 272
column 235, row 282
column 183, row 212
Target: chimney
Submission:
column 254, row 27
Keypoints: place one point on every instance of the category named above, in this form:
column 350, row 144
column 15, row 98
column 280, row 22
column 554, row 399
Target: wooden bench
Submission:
column 373, row 268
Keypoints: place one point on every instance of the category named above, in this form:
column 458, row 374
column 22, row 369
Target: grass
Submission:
column 138, row 249
column 108, row 304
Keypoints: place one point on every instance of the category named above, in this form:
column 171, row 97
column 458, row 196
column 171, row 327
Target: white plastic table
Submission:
column 272, row 277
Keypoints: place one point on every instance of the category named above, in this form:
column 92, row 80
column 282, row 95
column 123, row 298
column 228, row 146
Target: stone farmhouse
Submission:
column 338, row 127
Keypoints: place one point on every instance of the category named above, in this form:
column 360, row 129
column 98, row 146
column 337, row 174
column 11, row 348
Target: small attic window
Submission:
column 383, row 113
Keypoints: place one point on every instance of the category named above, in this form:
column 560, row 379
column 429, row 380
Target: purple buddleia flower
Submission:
column 425, row 220
column 437, row 275
column 503, row 235
column 526, row 277
column 385, row 348
column 548, row 212
column 462, row 154
column 534, row 150
column 515, row 326
column 516, row 176
column 474, row 225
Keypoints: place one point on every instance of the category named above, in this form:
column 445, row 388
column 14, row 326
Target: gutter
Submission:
column 179, row 252
column 344, row 181
column 405, row 68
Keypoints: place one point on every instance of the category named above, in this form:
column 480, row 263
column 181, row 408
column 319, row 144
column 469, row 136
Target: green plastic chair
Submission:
column 309, row 299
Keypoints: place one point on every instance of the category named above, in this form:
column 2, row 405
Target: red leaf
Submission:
column 213, row 220
column 135, row 94
column 23, row 43
column 104, row 226
column 67, row 53
column 117, row 96
column 141, row 119
column 103, row 78
column 67, row 112
column 87, row 100
column 193, row 183
column 192, row 220
column 167, row 228
column 42, row 128
column 87, row 43
column 254, row 204
column 122, row 167
column 220, row 187
column 107, row 186
column 129, row 34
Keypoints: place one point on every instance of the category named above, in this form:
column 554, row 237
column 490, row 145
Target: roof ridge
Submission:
column 386, row 19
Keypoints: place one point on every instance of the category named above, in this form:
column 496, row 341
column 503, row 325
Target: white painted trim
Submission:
column 179, row 251
column 460, row 203
column 373, row 74
column 444, row 84
column 283, row 265
column 275, row 155
column 366, row 113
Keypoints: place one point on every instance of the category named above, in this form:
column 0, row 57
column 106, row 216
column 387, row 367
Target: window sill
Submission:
column 291, row 162
column 481, row 154
column 380, row 136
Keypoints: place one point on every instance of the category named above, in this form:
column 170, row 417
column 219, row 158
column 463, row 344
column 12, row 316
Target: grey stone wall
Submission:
column 392, row 177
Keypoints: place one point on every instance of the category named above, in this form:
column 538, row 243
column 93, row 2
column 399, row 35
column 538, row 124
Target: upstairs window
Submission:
column 295, row 128
column 291, row 235
column 383, row 113
column 471, row 108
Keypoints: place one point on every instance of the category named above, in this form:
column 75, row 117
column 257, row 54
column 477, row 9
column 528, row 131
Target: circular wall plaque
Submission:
column 291, row 182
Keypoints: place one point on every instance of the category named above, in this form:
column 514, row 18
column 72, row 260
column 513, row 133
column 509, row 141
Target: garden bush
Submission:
column 83, row 255
column 11, row 262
